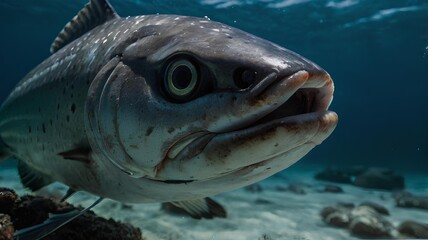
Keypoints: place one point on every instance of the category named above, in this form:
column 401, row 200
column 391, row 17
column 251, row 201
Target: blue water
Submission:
column 376, row 52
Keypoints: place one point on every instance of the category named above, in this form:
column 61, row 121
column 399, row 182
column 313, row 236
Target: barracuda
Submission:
column 163, row 108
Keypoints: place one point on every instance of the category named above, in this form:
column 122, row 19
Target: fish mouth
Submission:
column 312, row 97
column 294, row 118
column 302, row 120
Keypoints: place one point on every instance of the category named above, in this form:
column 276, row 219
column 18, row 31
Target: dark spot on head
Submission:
column 73, row 108
column 171, row 129
column 72, row 95
column 63, row 91
column 87, row 82
column 51, row 122
column 57, row 106
column 149, row 131
column 68, row 118
column 72, row 86
column 276, row 144
column 29, row 129
column 43, row 128
column 40, row 109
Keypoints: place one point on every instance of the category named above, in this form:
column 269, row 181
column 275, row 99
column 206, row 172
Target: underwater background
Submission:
column 377, row 54
column 375, row 51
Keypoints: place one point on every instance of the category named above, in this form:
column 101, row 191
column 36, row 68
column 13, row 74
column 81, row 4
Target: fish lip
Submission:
column 326, row 121
column 318, row 85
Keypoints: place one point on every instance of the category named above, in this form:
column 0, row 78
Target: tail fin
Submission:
column 4, row 150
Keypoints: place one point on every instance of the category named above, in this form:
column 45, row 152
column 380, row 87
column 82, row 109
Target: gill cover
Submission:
column 131, row 125
column 101, row 107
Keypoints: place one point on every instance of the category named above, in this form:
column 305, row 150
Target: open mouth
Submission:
column 305, row 99
column 313, row 96
column 292, row 114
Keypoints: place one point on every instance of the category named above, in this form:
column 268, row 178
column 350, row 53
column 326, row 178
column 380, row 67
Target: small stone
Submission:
column 368, row 226
column 337, row 216
column 297, row 188
column 378, row 178
column 328, row 210
column 338, row 219
column 7, row 200
column 377, row 207
column 6, row 227
column 346, row 205
column 126, row 206
column 367, row 223
column 401, row 194
column 332, row 189
column 281, row 188
column 254, row 188
column 407, row 200
column 413, row 229
column 333, row 175
column 30, row 210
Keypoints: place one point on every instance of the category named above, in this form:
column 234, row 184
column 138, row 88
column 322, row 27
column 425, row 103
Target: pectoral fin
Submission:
column 32, row 178
column 81, row 154
column 201, row 208
column 50, row 225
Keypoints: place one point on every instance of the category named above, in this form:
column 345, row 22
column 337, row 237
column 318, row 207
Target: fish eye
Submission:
column 244, row 78
column 181, row 80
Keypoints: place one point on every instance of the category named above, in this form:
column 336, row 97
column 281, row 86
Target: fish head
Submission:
column 197, row 100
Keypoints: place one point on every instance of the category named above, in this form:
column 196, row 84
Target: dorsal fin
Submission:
column 95, row 13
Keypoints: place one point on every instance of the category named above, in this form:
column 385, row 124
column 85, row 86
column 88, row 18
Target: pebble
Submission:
column 413, row 229
column 362, row 221
column 407, row 200
column 254, row 188
column 379, row 208
column 332, row 189
column 378, row 178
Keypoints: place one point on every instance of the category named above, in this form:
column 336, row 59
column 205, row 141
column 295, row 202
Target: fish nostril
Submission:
column 244, row 77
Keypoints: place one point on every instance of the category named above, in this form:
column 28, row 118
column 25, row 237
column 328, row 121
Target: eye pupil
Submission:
column 244, row 78
column 248, row 77
column 181, row 77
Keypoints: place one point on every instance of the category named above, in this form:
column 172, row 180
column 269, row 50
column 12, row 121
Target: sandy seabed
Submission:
column 269, row 214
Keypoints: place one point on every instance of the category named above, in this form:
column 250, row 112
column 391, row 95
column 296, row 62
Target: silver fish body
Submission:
column 166, row 108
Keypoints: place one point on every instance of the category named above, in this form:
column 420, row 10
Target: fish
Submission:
column 163, row 108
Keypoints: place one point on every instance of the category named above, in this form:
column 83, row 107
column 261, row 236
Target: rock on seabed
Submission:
column 21, row 212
